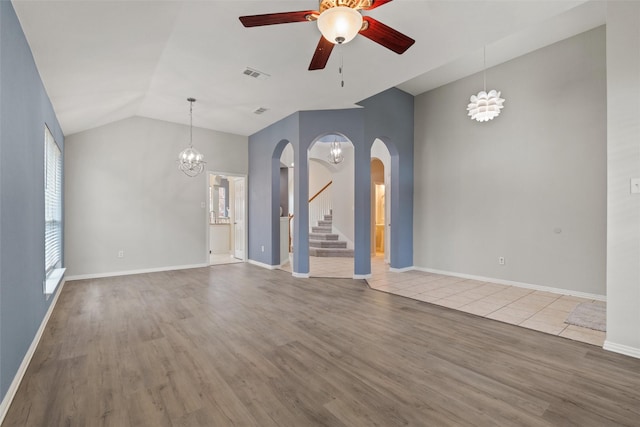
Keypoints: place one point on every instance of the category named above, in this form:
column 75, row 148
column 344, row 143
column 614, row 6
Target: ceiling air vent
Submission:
column 255, row 74
column 260, row 110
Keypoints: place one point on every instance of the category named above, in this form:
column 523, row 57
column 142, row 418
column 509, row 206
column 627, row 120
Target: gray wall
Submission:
column 529, row 185
column 623, row 153
column 24, row 111
column 125, row 192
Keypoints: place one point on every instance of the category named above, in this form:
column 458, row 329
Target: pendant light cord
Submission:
column 484, row 66
column 191, row 122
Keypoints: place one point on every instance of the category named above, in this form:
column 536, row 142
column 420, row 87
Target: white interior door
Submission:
column 238, row 224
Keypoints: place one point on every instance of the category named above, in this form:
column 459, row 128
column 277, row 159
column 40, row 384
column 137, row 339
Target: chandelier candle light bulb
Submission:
column 335, row 153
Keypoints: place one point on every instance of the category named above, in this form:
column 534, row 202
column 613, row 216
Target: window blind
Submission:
column 52, row 203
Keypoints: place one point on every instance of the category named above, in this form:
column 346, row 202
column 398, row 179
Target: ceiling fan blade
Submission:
column 376, row 3
column 276, row 18
column 321, row 55
column 386, row 36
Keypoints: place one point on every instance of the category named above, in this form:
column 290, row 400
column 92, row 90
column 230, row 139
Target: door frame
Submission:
column 206, row 211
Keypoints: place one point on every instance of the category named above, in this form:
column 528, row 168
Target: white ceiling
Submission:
column 103, row 61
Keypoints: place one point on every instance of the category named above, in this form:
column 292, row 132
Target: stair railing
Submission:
column 320, row 204
column 320, row 207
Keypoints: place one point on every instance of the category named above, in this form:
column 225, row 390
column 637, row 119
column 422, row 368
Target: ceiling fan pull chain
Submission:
column 340, row 70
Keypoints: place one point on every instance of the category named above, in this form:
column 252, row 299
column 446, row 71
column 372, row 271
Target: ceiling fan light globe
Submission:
column 340, row 24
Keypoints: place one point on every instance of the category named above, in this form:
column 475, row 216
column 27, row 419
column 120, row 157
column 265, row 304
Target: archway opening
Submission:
column 331, row 206
column 378, row 208
column 285, row 197
column 380, row 201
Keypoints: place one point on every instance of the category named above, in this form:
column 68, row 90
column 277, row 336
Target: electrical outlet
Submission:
column 501, row 260
column 262, row 248
column 120, row 253
column 635, row 185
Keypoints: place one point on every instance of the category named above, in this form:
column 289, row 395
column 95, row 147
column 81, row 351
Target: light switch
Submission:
column 635, row 185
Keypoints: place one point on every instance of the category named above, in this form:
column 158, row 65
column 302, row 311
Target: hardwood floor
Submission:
column 244, row 346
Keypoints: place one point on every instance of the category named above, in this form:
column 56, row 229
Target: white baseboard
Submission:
column 263, row 265
column 401, row 270
column 300, row 275
column 622, row 349
column 361, row 276
column 560, row 291
column 130, row 272
column 22, row 369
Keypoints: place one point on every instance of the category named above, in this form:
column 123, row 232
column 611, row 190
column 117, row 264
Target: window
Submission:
column 52, row 212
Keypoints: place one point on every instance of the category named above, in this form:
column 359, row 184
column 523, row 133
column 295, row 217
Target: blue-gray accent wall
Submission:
column 24, row 110
column 387, row 116
column 264, row 216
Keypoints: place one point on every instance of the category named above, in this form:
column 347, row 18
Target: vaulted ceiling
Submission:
column 103, row 61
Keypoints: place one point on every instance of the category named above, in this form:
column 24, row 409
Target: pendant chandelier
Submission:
column 335, row 153
column 485, row 106
column 190, row 161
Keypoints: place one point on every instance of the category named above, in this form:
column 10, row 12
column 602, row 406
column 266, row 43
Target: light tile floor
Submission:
column 542, row 311
column 217, row 259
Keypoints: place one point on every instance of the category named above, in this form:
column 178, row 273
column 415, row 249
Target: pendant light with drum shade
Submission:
column 190, row 161
column 485, row 106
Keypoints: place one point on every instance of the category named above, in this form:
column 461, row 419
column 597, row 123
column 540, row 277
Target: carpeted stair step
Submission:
column 323, row 236
column 328, row 217
column 321, row 230
column 331, row 252
column 325, row 223
column 327, row 244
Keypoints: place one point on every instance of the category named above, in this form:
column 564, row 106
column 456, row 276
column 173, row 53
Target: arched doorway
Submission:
column 286, row 199
column 378, row 208
column 380, row 200
column 331, row 206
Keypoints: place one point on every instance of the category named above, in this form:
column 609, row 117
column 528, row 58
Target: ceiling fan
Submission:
column 339, row 22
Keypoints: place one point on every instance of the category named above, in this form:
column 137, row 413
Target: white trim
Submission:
column 622, row 349
column 263, row 265
column 560, row 291
column 130, row 272
column 300, row 275
column 361, row 276
column 401, row 270
column 53, row 280
column 22, row 369
column 246, row 212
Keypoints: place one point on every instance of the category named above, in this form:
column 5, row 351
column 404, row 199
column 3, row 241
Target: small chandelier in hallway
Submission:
column 335, row 153
column 190, row 161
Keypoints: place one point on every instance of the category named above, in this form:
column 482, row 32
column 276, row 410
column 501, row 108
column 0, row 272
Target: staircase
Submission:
column 323, row 243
